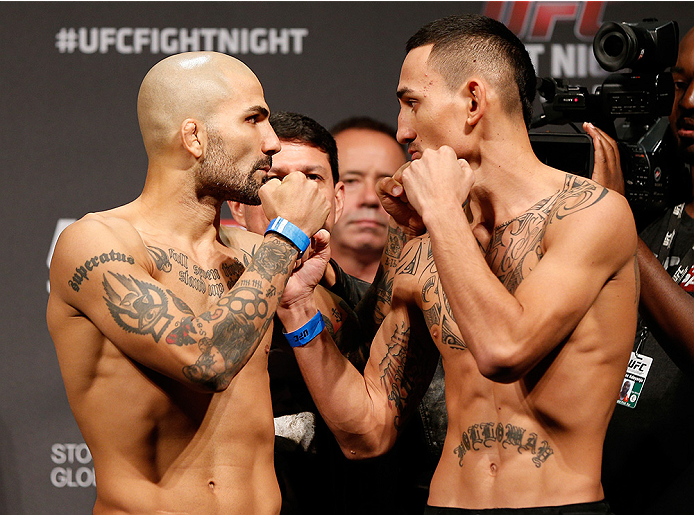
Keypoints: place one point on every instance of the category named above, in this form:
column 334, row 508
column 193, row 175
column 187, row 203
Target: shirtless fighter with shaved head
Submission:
column 161, row 331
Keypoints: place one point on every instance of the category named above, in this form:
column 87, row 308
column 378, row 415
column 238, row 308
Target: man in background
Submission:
column 314, row 476
column 368, row 152
column 648, row 465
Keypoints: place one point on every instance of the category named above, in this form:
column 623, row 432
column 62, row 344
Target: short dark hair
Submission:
column 363, row 122
column 298, row 128
column 472, row 42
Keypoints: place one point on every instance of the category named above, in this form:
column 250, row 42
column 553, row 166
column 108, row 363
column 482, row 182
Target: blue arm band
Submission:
column 306, row 332
column 291, row 232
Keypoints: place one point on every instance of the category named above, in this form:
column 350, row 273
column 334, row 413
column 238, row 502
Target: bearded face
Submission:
column 224, row 176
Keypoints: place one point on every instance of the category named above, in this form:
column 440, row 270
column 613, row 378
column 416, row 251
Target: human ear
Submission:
column 475, row 93
column 339, row 199
column 237, row 212
column 191, row 137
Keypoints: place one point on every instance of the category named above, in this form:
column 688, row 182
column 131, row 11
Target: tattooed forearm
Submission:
column 406, row 369
column 232, row 341
column 438, row 315
column 272, row 258
column 482, row 435
column 395, row 242
column 393, row 375
column 384, row 298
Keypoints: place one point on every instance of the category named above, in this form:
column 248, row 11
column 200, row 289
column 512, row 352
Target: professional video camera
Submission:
column 631, row 107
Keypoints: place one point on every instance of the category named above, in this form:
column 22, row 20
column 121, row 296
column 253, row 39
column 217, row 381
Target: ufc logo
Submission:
column 535, row 21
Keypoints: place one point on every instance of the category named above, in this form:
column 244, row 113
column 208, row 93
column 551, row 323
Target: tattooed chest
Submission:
column 516, row 247
column 178, row 271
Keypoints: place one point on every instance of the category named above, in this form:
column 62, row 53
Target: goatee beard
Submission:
column 248, row 192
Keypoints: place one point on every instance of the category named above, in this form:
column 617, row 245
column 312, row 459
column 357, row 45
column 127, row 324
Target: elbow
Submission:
column 502, row 375
column 206, row 381
column 503, row 367
column 365, row 447
column 363, row 452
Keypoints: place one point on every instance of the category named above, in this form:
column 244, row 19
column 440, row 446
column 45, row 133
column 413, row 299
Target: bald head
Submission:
column 188, row 85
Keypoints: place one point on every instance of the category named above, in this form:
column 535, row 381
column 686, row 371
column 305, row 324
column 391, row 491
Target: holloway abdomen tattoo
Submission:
column 482, row 435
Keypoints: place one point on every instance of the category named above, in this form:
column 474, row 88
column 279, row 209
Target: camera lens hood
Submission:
column 616, row 46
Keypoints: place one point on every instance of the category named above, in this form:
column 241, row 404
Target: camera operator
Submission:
column 648, row 460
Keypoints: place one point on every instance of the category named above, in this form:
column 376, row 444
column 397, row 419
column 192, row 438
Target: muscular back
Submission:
column 159, row 441
column 536, row 439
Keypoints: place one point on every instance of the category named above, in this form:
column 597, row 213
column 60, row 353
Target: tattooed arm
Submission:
column 543, row 271
column 365, row 412
column 404, row 225
column 375, row 304
column 103, row 271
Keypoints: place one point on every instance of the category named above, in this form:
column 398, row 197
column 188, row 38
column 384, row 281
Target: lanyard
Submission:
column 688, row 259
column 684, row 265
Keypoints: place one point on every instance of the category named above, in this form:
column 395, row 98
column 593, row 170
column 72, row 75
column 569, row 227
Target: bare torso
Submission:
column 536, row 441
column 158, row 445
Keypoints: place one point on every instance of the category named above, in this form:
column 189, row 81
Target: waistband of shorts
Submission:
column 588, row 508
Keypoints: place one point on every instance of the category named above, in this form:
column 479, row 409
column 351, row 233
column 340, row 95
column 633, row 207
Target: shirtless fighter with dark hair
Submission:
column 525, row 280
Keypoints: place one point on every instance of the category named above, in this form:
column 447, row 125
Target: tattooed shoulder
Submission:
column 578, row 194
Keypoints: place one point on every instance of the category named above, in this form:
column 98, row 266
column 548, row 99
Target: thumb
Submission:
column 391, row 187
column 321, row 239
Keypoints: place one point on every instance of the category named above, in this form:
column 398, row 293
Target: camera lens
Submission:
column 615, row 46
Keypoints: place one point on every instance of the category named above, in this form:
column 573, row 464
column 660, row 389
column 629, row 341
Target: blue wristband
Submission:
column 291, row 232
column 306, row 332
